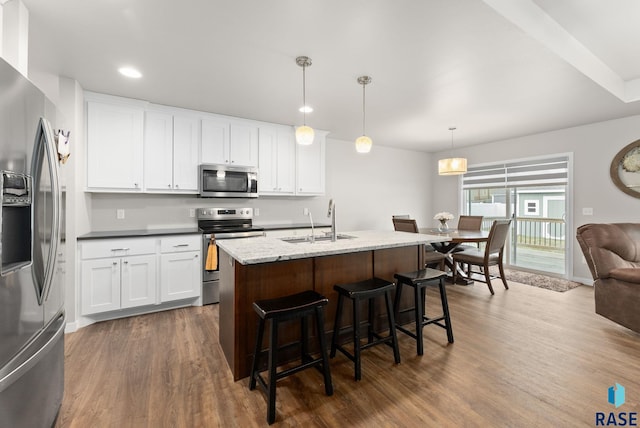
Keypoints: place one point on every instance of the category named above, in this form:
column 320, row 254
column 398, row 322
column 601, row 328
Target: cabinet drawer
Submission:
column 117, row 247
column 182, row 243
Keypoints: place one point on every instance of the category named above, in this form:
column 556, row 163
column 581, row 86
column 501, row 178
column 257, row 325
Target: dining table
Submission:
column 452, row 239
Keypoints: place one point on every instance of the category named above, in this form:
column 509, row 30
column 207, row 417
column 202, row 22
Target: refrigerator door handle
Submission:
column 26, row 365
column 45, row 136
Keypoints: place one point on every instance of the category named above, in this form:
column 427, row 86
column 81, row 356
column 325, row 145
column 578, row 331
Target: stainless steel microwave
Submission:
column 226, row 181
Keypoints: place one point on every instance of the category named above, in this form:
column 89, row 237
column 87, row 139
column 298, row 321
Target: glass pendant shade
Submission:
column 452, row 166
column 363, row 144
column 304, row 135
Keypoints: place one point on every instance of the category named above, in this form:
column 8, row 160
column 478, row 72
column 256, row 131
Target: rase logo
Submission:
column 616, row 397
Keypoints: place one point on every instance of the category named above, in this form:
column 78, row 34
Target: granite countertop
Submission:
column 264, row 249
column 139, row 233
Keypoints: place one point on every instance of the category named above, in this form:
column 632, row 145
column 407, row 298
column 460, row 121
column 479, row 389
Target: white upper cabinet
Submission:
column 186, row 139
column 214, row 145
column 171, row 153
column 114, row 143
column 134, row 146
column 310, row 166
column 158, row 151
column 243, row 147
column 276, row 149
column 232, row 142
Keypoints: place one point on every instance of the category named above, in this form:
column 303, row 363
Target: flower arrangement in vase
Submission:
column 443, row 218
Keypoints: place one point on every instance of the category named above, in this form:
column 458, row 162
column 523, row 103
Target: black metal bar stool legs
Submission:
column 357, row 292
column 299, row 305
column 419, row 280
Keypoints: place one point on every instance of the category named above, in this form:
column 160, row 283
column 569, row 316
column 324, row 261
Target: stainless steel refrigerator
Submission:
column 32, row 318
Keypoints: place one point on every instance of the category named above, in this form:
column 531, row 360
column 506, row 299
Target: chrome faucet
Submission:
column 332, row 213
column 312, row 238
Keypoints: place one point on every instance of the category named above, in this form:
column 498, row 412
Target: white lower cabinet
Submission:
column 138, row 281
column 117, row 283
column 136, row 272
column 180, row 267
column 100, row 285
column 180, row 275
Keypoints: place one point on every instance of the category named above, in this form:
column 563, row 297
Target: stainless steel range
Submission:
column 222, row 223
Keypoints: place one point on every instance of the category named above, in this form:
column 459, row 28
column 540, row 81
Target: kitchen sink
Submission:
column 301, row 239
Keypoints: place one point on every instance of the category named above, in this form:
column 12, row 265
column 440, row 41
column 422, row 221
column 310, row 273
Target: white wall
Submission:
column 367, row 190
column 593, row 147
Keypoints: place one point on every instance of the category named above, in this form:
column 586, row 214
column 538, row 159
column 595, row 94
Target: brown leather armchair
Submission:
column 612, row 252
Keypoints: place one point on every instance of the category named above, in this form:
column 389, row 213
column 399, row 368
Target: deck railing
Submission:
column 538, row 232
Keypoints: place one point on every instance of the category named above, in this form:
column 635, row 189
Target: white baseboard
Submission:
column 84, row 321
column 71, row 327
column 584, row 281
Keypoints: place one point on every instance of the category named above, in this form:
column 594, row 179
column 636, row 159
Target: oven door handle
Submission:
column 233, row 235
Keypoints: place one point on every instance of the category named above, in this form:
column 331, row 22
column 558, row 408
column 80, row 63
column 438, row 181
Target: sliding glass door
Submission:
column 534, row 194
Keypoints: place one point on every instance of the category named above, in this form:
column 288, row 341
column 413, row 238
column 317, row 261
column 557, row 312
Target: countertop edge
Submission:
column 273, row 250
column 139, row 233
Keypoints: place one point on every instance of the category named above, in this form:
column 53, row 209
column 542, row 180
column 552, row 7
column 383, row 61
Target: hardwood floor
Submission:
column 526, row 357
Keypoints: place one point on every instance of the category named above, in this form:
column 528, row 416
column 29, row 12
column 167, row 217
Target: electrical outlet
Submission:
column 587, row 211
column 256, row 212
column 120, row 214
column 192, row 212
column 305, row 211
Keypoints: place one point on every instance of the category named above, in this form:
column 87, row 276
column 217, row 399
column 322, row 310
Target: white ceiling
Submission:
column 496, row 69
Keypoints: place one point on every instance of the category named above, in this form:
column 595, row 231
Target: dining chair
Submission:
column 432, row 258
column 405, row 224
column 492, row 255
column 470, row 222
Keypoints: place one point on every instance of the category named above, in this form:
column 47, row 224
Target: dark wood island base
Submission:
column 241, row 285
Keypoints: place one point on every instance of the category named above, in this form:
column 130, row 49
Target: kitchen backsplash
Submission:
column 161, row 211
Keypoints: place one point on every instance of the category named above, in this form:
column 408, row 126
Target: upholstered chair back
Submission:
column 610, row 246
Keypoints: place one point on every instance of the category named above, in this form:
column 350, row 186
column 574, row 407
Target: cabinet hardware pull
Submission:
column 115, row 263
column 126, row 262
column 181, row 245
column 120, row 249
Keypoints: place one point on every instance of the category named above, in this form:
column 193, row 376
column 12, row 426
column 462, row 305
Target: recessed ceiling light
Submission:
column 305, row 109
column 130, row 72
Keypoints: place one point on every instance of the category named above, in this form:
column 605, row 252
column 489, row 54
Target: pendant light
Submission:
column 304, row 133
column 452, row 166
column 363, row 143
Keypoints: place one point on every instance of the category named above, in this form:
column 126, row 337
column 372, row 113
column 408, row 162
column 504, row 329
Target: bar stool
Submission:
column 294, row 306
column 419, row 280
column 364, row 290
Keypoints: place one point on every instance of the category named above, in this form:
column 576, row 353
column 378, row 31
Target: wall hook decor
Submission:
column 62, row 145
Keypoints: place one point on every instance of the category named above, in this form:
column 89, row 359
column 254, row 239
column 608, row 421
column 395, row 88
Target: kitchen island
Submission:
column 263, row 268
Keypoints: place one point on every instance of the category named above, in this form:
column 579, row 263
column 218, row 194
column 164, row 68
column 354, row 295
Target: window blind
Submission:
column 539, row 172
